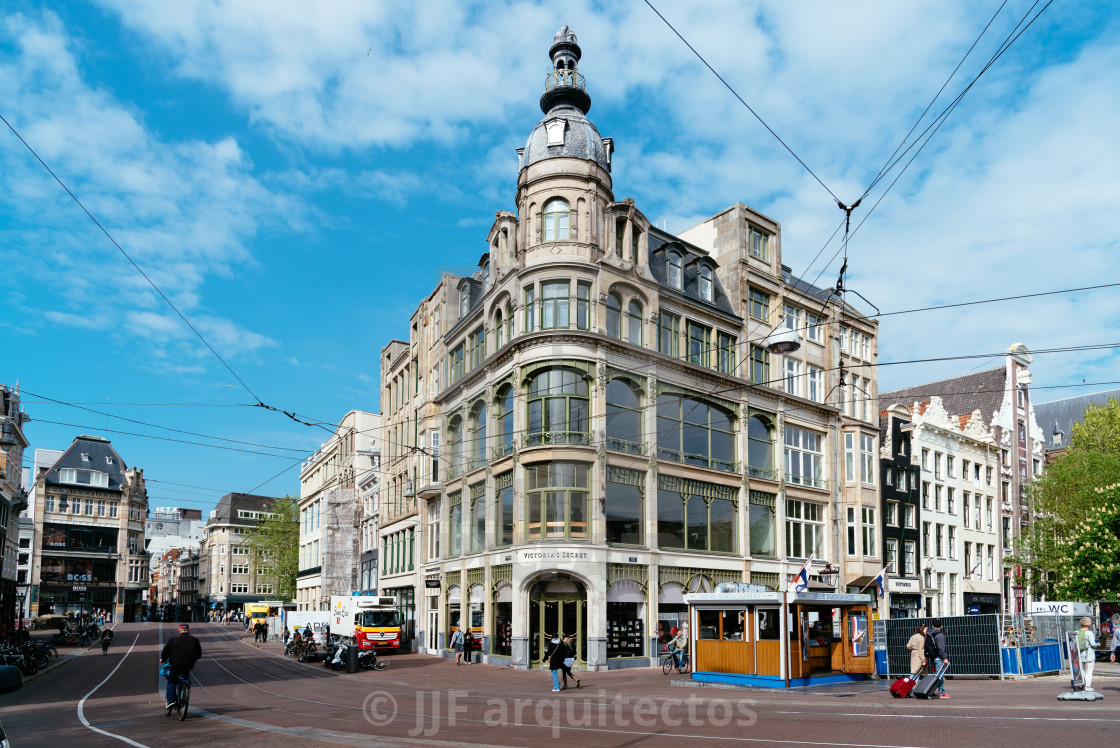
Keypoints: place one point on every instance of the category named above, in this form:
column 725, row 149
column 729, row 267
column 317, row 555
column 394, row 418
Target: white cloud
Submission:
column 184, row 211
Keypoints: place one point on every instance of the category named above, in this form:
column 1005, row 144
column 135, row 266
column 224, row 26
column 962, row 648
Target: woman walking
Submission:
column 917, row 647
column 468, row 645
column 569, row 661
column 554, row 656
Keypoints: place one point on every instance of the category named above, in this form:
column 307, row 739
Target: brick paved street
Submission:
column 249, row 695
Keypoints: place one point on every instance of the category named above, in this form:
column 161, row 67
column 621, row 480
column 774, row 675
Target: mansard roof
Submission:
column 960, row 395
column 660, row 243
column 101, row 457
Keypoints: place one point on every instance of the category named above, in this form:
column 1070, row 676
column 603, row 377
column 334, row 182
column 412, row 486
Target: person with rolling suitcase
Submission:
column 929, row 686
column 902, row 687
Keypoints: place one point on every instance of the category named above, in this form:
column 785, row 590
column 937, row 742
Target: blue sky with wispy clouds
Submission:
column 296, row 179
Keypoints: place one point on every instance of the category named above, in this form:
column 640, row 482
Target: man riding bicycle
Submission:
column 181, row 652
column 678, row 645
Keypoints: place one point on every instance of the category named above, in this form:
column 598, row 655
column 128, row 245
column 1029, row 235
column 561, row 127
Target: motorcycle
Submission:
column 368, row 660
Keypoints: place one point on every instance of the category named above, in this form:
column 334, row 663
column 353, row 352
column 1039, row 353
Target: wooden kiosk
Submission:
column 748, row 635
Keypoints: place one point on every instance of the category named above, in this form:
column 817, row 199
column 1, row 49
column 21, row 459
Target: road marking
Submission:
column 947, row 717
column 82, row 703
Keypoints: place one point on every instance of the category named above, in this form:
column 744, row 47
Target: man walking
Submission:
column 937, row 652
column 1087, row 651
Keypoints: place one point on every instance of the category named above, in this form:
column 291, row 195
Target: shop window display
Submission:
column 625, row 633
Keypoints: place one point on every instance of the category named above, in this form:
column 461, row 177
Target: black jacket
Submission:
column 556, row 654
column 182, row 652
column 939, row 644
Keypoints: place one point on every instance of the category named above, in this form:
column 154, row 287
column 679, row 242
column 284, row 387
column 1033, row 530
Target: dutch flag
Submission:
column 881, row 581
column 800, row 581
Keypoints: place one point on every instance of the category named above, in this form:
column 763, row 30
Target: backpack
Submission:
column 1082, row 642
column 931, row 649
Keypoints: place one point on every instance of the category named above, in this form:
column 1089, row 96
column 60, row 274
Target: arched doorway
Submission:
column 557, row 605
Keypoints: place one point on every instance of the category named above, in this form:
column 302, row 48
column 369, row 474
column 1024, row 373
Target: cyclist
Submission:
column 181, row 652
column 106, row 640
column 678, row 645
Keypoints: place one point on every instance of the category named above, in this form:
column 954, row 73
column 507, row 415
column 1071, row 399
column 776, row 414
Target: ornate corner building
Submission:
column 606, row 416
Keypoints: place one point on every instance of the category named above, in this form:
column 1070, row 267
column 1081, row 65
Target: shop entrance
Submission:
column 557, row 606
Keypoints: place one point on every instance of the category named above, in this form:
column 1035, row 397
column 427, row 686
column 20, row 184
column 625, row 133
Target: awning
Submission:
column 861, row 582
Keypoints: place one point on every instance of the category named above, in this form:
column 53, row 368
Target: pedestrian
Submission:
column 468, row 645
column 554, row 656
column 1115, row 645
column 917, row 647
column 264, row 632
column 1087, row 651
column 257, row 632
column 937, row 649
column 287, row 635
column 569, row 660
column 457, row 646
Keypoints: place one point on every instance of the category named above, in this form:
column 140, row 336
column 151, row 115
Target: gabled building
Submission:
column 89, row 550
column 227, row 578
column 605, row 416
column 1058, row 417
column 977, row 443
column 901, row 510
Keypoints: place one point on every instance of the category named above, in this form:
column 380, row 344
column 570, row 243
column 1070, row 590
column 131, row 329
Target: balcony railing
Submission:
column 502, row 450
column 625, row 445
column 454, row 471
column 807, row 480
column 712, row 463
column 475, row 462
column 542, row 438
column 564, row 78
column 762, row 472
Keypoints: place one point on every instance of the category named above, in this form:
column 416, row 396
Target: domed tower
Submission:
column 564, row 183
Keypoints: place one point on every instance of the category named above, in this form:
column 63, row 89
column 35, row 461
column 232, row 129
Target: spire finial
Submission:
column 564, row 85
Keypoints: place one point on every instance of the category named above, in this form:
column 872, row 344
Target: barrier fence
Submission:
column 973, row 644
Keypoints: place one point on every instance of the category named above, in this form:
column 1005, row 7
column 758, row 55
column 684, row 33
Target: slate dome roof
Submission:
column 581, row 139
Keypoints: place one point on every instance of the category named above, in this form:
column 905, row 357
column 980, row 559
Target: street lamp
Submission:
column 828, row 574
column 20, row 597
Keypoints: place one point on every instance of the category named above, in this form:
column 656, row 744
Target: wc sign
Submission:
column 1062, row 609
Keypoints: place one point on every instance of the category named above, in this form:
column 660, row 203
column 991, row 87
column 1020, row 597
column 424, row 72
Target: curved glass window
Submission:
column 676, row 276
column 556, row 217
column 505, row 421
column 614, row 315
column 760, row 448
column 705, row 283
column 464, row 301
column 455, row 446
column 634, row 323
column 556, row 500
column 558, row 408
column 478, row 436
column 499, row 330
column 694, row 432
column 624, row 417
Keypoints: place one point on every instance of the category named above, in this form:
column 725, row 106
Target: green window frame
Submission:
column 455, row 524
column 583, row 305
column 614, row 315
column 554, row 305
column 457, row 363
column 505, row 422
column 476, row 348
column 478, row 436
column 760, row 305
column 695, row 432
column 760, row 365
column 503, row 509
column 558, row 406
column 726, row 346
column 699, row 343
column 696, row 516
column 556, row 498
column 624, row 416
column 634, row 321
column 455, row 446
column 625, row 506
column 530, row 309
column 478, row 517
column 557, row 216
column 760, row 447
column 669, row 334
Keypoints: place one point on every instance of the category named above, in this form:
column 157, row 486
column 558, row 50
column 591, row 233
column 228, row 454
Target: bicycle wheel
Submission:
column 667, row 664
column 184, row 700
column 381, row 664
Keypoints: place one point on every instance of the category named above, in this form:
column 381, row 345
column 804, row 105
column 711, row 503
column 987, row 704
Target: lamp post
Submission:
column 20, row 597
column 828, row 573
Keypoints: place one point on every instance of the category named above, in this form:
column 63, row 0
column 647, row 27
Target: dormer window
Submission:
column 85, row 457
column 705, row 283
column 556, row 218
column 464, row 300
column 486, row 277
column 619, row 236
column 108, row 460
column 676, row 276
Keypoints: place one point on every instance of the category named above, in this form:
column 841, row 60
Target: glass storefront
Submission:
column 503, row 622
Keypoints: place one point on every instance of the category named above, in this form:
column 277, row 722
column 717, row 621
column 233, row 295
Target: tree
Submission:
column 1067, row 494
column 1092, row 551
column 274, row 547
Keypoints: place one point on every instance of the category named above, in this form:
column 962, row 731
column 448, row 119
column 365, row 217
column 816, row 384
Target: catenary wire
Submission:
column 741, row 100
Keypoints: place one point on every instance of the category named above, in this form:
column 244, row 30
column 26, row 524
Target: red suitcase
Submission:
column 902, row 687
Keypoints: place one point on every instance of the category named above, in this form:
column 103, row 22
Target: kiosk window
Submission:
column 709, row 623
column 733, row 625
column 769, row 626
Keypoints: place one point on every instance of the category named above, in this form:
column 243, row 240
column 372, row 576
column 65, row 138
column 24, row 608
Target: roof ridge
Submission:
column 940, row 381
column 1074, row 397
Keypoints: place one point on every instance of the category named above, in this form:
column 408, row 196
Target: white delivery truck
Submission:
column 373, row 622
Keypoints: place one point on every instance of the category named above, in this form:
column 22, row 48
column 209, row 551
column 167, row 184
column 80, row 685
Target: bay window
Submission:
column 803, row 457
column 804, row 528
column 556, row 496
column 557, row 408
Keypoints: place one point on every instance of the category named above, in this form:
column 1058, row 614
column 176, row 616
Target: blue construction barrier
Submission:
column 1009, row 661
column 880, row 662
column 1031, row 659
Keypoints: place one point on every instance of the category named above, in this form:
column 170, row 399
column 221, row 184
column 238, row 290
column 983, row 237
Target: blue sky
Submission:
column 295, row 181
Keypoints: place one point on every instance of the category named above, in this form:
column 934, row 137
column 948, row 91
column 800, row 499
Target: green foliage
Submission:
column 1092, row 553
column 274, row 547
column 1069, row 493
